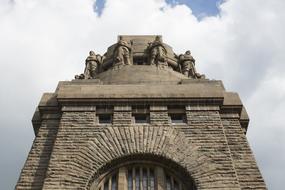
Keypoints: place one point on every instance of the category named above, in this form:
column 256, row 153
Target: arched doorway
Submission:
column 142, row 174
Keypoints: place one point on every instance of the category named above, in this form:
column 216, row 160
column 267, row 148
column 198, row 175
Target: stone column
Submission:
column 122, row 179
column 160, row 178
column 159, row 115
column 122, row 115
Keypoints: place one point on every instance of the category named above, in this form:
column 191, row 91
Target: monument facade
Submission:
column 140, row 117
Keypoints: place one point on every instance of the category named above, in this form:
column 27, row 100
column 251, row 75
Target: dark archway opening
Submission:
column 142, row 172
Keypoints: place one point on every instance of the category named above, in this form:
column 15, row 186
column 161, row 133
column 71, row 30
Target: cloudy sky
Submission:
column 238, row 41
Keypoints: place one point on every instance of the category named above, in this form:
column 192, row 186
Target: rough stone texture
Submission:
column 247, row 171
column 130, row 74
column 122, row 115
column 71, row 148
column 34, row 172
column 98, row 145
column 159, row 116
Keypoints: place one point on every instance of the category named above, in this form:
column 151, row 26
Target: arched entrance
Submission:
column 142, row 172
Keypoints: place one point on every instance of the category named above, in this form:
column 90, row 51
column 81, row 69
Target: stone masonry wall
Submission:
column 83, row 147
column 213, row 150
column 75, row 128
column 247, row 171
column 34, row 172
column 205, row 130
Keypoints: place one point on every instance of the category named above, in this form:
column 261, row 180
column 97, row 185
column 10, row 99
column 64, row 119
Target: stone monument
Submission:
column 140, row 118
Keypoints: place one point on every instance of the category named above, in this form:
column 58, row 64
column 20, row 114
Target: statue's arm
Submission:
column 181, row 58
column 102, row 59
column 176, row 56
column 99, row 58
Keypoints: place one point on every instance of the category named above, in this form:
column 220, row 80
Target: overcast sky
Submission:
column 238, row 41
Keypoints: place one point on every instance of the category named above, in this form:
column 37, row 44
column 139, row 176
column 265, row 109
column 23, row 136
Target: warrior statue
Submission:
column 157, row 52
column 92, row 64
column 187, row 63
column 122, row 53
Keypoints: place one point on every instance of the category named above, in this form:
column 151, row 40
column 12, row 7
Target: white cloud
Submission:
column 266, row 105
column 43, row 42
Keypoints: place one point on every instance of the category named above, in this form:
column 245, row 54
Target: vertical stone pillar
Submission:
column 206, row 130
column 159, row 115
column 122, row 115
column 122, row 179
column 160, row 178
column 243, row 159
column 75, row 120
column 34, row 172
column 45, row 122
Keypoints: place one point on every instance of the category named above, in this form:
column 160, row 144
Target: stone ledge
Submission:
column 194, row 90
column 48, row 100
column 231, row 99
column 79, row 108
column 202, row 108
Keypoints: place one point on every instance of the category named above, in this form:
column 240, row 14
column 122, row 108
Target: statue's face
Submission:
column 157, row 38
column 91, row 53
column 188, row 52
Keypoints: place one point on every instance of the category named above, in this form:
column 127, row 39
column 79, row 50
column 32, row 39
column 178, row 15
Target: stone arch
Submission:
column 113, row 143
column 144, row 159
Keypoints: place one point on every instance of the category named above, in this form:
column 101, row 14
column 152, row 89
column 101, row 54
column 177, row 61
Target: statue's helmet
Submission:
column 188, row 52
column 91, row 53
column 158, row 38
column 122, row 42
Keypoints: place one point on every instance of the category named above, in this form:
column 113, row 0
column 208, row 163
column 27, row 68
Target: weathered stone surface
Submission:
column 209, row 89
column 245, row 166
column 34, row 172
column 72, row 147
column 136, row 74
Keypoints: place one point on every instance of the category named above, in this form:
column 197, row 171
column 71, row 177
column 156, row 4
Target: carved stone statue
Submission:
column 122, row 53
column 157, row 52
column 187, row 63
column 92, row 63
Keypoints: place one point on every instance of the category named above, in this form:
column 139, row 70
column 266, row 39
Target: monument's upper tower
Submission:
column 140, row 50
column 140, row 117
